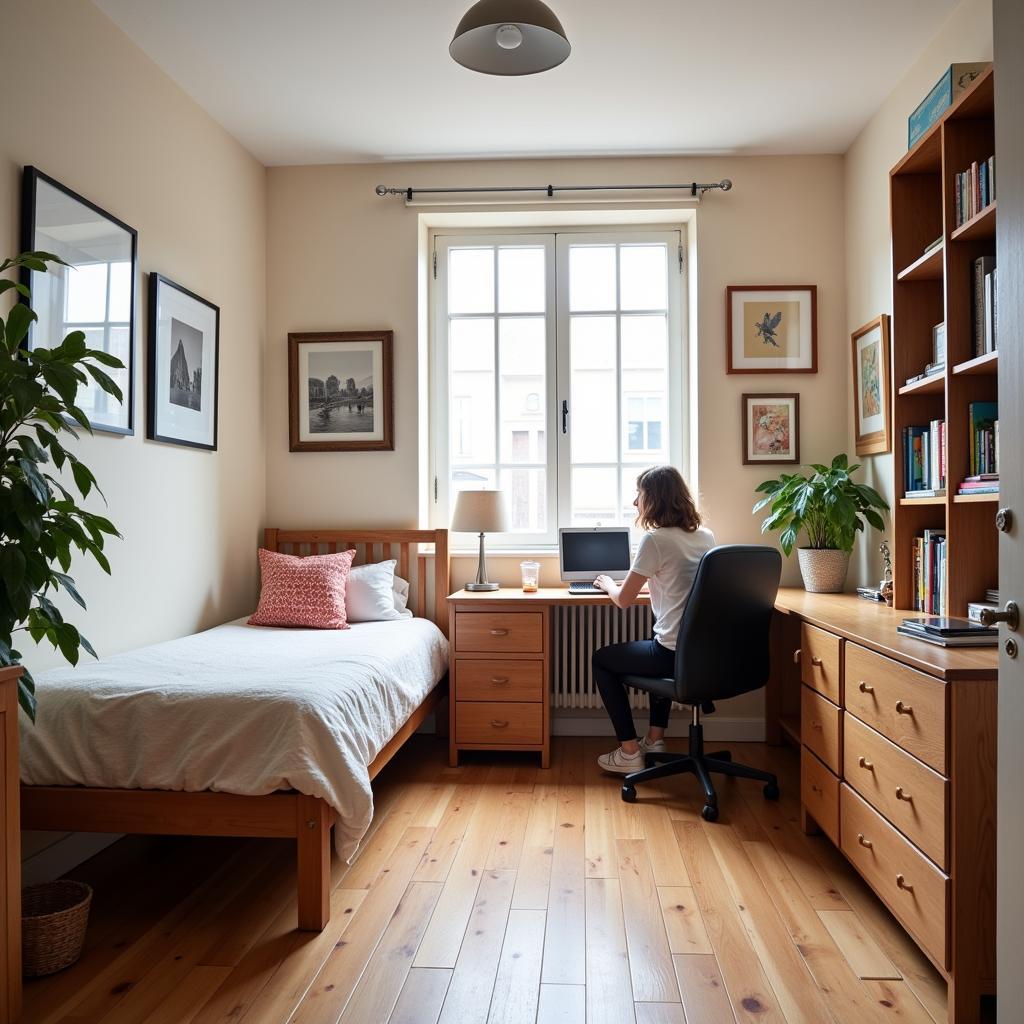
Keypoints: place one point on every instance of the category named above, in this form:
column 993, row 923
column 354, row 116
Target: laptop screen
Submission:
column 587, row 553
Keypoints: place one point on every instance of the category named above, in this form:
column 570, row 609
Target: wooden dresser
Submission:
column 10, row 851
column 898, row 768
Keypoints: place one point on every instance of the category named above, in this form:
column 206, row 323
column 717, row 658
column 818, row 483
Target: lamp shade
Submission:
column 509, row 37
column 480, row 512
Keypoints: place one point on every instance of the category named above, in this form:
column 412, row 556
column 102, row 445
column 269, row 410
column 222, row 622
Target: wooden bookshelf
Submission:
column 929, row 288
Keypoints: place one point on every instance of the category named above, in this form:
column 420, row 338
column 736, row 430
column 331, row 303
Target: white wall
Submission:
column 966, row 36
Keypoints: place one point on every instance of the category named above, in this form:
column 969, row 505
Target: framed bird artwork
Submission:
column 772, row 328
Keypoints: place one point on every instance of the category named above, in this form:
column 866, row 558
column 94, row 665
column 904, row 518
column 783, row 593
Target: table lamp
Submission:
column 480, row 512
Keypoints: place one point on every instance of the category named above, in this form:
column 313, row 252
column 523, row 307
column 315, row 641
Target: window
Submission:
column 576, row 331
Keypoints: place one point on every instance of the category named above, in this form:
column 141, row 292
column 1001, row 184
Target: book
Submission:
column 927, row 492
column 982, row 417
column 981, row 266
column 948, row 641
column 947, row 626
column 975, row 608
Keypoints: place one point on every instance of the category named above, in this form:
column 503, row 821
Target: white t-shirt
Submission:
column 668, row 557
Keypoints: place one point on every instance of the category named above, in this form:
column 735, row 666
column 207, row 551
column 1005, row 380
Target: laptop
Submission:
column 588, row 551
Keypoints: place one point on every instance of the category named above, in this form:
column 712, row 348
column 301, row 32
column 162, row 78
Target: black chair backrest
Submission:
column 723, row 644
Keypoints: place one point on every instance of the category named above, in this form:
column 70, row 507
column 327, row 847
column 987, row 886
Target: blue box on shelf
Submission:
column 954, row 81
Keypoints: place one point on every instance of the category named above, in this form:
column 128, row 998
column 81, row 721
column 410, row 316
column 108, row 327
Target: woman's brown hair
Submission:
column 663, row 499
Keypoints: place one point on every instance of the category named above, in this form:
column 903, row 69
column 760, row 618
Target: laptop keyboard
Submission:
column 584, row 588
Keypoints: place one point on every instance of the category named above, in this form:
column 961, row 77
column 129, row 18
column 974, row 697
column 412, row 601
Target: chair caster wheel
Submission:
column 771, row 791
column 709, row 812
column 629, row 794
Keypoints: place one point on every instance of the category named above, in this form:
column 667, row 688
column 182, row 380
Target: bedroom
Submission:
column 255, row 190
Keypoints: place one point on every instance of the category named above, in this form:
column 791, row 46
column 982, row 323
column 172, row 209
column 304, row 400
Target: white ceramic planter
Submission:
column 823, row 569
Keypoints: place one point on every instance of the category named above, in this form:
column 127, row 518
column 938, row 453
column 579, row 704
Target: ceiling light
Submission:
column 509, row 37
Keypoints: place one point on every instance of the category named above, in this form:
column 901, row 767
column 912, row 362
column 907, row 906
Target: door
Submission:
column 1009, row 83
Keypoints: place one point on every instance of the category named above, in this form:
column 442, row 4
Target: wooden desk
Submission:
column 500, row 668
column 897, row 743
column 10, row 851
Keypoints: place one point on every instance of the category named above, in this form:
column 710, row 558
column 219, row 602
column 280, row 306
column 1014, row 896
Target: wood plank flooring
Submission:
column 501, row 893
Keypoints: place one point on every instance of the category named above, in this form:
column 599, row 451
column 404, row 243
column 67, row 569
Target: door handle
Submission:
column 1010, row 615
column 565, row 415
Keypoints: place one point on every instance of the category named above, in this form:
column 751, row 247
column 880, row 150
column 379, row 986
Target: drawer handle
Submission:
column 863, row 841
column 903, row 709
column 499, row 723
column 902, row 883
column 499, row 632
column 816, row 661
column 865, row 764
column 864, row 688
column 796, row 655
column 816, row 725
column 814, row 789
column 499, row 680
column 902, row 794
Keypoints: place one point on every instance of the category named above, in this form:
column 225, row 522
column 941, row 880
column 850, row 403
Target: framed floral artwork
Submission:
column 771, row 428
column 772, row 328
column 871, row 388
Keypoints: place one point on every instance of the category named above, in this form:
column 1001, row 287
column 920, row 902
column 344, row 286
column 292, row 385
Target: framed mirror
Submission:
column 95, row 293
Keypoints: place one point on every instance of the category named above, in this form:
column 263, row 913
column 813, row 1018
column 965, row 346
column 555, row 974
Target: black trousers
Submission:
column 638, row 658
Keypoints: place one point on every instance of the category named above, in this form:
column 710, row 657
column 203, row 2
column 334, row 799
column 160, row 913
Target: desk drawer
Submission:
column 820, row 662
column 906, row 706
column 819, row 793
column 821, row 728
column 906, row 881
column 500, row 632
column 491, row 679
column 907, row 792
column 498, row 723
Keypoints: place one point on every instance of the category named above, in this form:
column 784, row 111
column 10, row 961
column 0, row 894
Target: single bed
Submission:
column 284, row 744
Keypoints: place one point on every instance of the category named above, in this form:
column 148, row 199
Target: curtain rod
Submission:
column 694, row 187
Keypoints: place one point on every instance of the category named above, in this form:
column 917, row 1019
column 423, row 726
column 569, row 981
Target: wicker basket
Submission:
column 53, row 920
column 823, row 569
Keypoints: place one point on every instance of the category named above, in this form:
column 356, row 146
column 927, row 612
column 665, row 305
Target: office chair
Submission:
column 721, row 651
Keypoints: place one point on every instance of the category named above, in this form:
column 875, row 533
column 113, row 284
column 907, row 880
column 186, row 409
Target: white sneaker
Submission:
column 621, row 763
column 651, row 746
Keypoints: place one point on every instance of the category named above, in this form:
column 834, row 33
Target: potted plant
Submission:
column 830, row 508
column 40, row 518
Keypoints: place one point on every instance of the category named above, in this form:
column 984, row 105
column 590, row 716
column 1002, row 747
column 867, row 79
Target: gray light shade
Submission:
column 480, row 512
column 475, row 45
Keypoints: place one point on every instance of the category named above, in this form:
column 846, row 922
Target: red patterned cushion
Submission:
column 307, row 592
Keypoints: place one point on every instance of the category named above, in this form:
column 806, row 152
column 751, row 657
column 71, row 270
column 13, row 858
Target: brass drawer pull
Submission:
column 499, row 680
column 901, row 794
column 902, row 883
column 863, row 841
column 865, row 764
column 903, row 709
column 864, row 688
column 499, row 632
column 816, row 660
column 499, row 723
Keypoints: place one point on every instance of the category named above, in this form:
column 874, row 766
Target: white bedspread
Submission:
column 239, row 709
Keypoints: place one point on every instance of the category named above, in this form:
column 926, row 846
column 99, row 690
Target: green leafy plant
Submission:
column 40, row 519
column 828, row 506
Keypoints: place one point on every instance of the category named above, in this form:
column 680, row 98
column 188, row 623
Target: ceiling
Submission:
column 326, row 81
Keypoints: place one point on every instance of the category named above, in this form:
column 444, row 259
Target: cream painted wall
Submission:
column 966, row 36
column 85, row 105
column 341, row 258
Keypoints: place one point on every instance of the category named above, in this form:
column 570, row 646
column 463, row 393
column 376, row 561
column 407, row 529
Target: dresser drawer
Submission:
column 907, row 792
column 906, row 706
column 500, row 632
column 820, row 662
column 819, row 793
column 499, row 723
column 821, row 728
column 906, row 881
column 491, row 679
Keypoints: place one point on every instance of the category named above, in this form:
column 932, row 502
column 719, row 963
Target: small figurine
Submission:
column 886, row 586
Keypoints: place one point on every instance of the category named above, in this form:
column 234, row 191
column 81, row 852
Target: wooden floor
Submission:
column 498, row 892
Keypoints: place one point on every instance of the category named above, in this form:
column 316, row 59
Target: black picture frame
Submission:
column 159, row 427
column 32, row 177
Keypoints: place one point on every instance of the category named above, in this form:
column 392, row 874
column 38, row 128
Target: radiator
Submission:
column 578, row 632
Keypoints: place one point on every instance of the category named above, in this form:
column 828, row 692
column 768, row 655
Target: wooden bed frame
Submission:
column 285, row 814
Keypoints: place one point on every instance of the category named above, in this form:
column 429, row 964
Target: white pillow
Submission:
column 402, row 596
column 371, row 595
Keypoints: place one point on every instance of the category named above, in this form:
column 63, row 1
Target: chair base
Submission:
column 720, row 762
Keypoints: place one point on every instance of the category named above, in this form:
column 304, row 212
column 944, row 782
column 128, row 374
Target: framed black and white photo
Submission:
column 94, row 294
column 184, row 351
column 340, row 392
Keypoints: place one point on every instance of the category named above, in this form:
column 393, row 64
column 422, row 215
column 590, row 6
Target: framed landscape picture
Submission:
column 871, row 387
column 771, row 428
column 772, row 328
column 340, row 387
column 94, row 293
column 184, row 355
